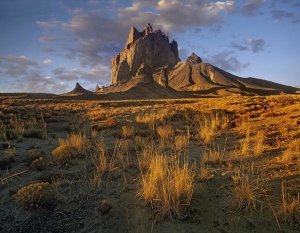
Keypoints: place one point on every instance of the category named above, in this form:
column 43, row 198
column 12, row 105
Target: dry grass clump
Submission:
column 168, row 186
column 158, row 115
column 209, row 124
column 181, row 143
column 140, row 141
column 35, row 128
column 204, row 172
column 294, row 147
column 74, row 146
column 291, row 153
column 15, row 128
column 104, row 162
column 18, row 128
column 166, row 134
column 39, row 164
column 214, row 155
column 289, row 209
column 122, row 150
column 127, row 131
column 35, row 195
column 246, row 191
column 259, row 146
column 245, row 145
column 2, row 132
column 147, row 153
column 10, row 153
column 32, row 155
column 105, row 124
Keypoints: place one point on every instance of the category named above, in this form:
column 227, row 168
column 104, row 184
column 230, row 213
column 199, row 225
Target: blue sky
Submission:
column 48, row 46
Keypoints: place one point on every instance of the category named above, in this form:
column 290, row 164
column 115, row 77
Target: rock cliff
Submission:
column 148, row 53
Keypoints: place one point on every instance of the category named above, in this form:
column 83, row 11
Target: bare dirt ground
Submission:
column 83, row 165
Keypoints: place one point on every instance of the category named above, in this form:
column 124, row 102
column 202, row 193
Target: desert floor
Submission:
column 228, row 164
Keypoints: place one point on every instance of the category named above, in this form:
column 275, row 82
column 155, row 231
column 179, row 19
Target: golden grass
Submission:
column 181, row 143
column 245, row 145
column 291, row 153
column 166, row 134
column 152, row 116
column 246, row 191
column 104, row 162
column 289, row 209
column 204, row 172
column 147, row 153
column 259, row 146
column 74, row 146
column 105, row 124
column 121, row 152
column 209, row 124
column 213, row 155
column 168, row 186
column 127, row 131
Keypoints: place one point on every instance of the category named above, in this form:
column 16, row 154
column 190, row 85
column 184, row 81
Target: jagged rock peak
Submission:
column 145, row 53
column 134, row 34
column 79, row 89
column 193, row 59
column 78, row 86
column 148, row 29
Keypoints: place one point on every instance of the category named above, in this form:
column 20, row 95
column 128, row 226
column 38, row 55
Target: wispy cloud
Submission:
column 28, row 75
column 283, row 15
column 228, row 61
column 252, row 7
column 250, row 44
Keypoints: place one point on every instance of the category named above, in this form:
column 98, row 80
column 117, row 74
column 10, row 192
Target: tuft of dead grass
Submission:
column 168, row 186
column 289, row 209
column 181, row 143
column 247, row 191
column 104, row 162
column 152, row 116
column 166, row 134
column 74, row 146
column 259, row 146
column 209, row 124
column 127, row 131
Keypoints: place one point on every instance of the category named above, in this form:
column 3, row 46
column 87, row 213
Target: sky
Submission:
column 48, row 46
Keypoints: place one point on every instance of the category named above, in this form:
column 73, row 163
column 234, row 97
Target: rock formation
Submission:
column 149, row 61
column 78, row 90
column 145, row 53
column 193, row 59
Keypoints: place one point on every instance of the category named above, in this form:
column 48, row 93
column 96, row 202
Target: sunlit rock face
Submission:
column 146, row 53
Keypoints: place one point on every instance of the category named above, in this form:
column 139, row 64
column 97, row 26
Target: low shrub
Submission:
column 36, row 195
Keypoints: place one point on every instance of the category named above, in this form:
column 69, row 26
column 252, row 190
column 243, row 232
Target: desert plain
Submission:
column 223, row 164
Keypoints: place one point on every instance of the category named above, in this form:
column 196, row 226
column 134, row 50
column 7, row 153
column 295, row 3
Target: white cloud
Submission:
column 47, row 62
